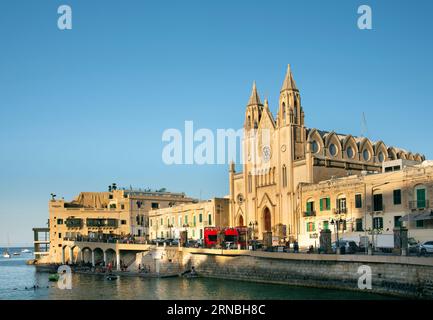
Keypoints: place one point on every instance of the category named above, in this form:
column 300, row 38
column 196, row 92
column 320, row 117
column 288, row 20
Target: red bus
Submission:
column 231, row 236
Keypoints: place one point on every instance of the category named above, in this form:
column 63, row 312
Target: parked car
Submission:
column 425, row 247
column 413, row 245
column 349, row 246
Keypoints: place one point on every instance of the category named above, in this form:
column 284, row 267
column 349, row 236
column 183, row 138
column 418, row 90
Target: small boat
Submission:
column 53, row 277
column 26, row 251
column 111, row 277
column 16, row 253
column 6, row 254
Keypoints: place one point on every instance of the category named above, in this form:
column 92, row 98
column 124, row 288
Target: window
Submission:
column 381, row 157
column 112, row 206
column 349, row 152
column 311, row 227
column 110, row 196
column 209, row 219
column 397, row 222
column 341, row 205
column 377, row 202
column 314, row 146
column 195, row 221
column 200, row 218
column 284, row 176
column 124, row 222
column 366, row 155
column 149, row 221
column 397, row 197
column 179, row 221
column 325, row 204
column 284, row 112
column 358, row 227
column 155, row 205
column 122, row 206
column 333, row 150
column 250, row 183
column 420, row 198
column 325, row 225
column 358, row 201
column 310, row 206
column 193, row 233
column 59, row 221
column 378, row 223
column 420, row 223
column 60, row 235
column 162, row 234
column 186, row 219
column 201, row 233
column 162, row 222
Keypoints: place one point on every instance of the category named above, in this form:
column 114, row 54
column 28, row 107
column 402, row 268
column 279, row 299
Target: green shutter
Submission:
column 420, row 197
column 321, row 204
column 328, row 203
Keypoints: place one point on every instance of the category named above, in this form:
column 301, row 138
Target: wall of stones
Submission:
column 406, row 280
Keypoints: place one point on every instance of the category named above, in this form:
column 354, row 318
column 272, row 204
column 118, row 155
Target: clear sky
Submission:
column 82, row 108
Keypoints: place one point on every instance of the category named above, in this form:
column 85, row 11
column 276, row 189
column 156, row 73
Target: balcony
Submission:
column 340, row 211
column 74, row 223
column 419, row 204
column 311, row 213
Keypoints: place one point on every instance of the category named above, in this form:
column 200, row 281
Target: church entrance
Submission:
column 241, row 221
column 267, row 220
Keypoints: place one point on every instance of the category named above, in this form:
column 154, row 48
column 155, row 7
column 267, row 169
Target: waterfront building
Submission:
column 105, row 216
column 280, row 153
column 167, row 223
column 400, row 196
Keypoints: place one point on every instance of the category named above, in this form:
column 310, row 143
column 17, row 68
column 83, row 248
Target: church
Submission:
column 280, row 154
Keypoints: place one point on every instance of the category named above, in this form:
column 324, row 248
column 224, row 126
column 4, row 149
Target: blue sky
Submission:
column 82, row 108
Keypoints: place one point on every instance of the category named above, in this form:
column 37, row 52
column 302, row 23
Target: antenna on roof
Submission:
column 364, row 128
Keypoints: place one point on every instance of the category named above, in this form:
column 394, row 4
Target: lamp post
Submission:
column 336, row 225
column 253, row 225
column 170, row 226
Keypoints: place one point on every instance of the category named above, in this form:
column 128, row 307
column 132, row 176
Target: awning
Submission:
column 416, row 216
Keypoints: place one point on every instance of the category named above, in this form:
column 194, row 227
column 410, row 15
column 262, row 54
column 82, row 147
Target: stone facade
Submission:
column 101, row 215
column 382, row 202
column 167, row 223
column 280, row 153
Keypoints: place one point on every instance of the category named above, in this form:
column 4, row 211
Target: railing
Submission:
column 340, row 210
column 419, row 204
column 311, row 213
column 379, row 208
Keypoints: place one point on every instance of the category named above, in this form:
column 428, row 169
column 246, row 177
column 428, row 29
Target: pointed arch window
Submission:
column 284, row 113
column 284, row 176
column 250, row 183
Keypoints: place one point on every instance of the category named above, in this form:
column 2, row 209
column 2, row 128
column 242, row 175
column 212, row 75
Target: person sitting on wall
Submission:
column 295, row 247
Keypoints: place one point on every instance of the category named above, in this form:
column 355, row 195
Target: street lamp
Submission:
column 336, row 225
column 253, row 225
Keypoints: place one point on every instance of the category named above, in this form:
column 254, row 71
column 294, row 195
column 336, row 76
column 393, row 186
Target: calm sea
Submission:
column 17, row 280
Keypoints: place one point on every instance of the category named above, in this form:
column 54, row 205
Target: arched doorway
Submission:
column 267, row 223
column 241, row 221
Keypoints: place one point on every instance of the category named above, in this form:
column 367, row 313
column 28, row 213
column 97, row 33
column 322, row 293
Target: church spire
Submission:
column 254, row 98
column 289, row 82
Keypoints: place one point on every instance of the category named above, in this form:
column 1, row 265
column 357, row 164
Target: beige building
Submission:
column 167, row 223
column 105, row 215
column 382, row 201
column 280, row 153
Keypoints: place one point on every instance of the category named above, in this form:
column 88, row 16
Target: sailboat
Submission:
column 6, row 253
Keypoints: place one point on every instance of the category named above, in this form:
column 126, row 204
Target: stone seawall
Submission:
column 400, row 276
